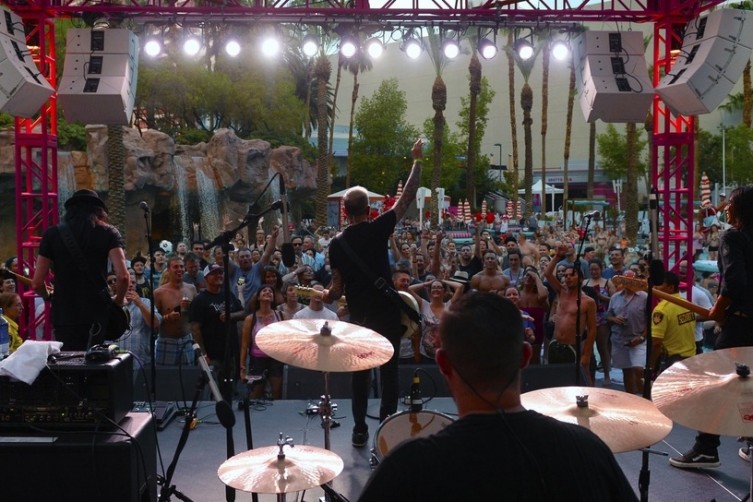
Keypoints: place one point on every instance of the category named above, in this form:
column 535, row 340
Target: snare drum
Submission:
column 403, row 426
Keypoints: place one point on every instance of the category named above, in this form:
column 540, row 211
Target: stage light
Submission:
column 487, row 49
column 523, row 49
column 560, row 50
column 191, row 46
column 153, row 47
column 411, row 47
column 270, row 46
column 232, row 48
column 348, row 47
column 451, row 48
column 310, row 45
column 374, row 48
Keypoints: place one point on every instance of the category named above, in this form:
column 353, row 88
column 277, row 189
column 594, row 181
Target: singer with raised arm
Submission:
column 733, row 309
column 77, row 305
column 369, row 306
column 496, row 450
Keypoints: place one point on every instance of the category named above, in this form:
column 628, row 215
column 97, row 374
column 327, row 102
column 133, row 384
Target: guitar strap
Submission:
column 379, row 283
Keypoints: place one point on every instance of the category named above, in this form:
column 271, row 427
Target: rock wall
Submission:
column 183, row 184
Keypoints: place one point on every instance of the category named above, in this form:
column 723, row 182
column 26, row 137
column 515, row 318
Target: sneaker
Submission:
column 695, row 460
column 744, row 453
column 359, row 439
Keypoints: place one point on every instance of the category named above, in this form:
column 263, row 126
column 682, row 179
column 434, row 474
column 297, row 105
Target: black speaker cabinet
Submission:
column 83, row 466
column 174, row 383
column 299, row 383
column 549, row 375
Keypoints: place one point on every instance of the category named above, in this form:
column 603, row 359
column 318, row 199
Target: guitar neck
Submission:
column 681, row 302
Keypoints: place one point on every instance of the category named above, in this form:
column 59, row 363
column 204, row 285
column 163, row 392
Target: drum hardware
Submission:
column 710, row 392
column 274, row 469
column 625, row 422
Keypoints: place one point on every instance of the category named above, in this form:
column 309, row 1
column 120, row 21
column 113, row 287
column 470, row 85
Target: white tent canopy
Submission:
column 339, row 195
column 536, row 189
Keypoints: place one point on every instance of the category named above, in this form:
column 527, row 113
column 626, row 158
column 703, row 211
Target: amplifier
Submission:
column 71, row 393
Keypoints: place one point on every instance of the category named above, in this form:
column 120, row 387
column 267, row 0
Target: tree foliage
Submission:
column 613, row 152
column 381, row 148
column 739, row 155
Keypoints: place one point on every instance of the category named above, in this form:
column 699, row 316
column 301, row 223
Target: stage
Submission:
column 205, row 451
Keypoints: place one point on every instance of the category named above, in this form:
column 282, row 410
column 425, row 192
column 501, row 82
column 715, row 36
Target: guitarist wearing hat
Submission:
column 76, row 303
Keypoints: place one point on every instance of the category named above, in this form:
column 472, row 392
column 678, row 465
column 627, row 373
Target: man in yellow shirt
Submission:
column 672, row 327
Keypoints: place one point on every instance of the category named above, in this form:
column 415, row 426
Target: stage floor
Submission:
column 205, row 450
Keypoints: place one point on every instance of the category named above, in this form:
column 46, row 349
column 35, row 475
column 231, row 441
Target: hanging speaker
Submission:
column 23, row 88
column 714, row 53
column 98, row 85
column 611, row 76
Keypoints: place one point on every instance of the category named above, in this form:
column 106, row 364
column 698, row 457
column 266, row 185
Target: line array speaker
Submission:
column 715, row 49
column 23, row 88
column 611, row 76
column 99, row 77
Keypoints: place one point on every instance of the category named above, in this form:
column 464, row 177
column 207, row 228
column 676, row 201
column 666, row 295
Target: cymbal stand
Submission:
column 281, row 443
column 325, row 410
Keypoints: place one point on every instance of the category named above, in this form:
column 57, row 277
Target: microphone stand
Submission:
column 579, row 275
column 231, row 337
column 152, row 315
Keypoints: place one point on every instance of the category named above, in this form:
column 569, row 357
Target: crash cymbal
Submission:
column 303, row 343
column 625, row 422
column 261, row 471
column 706, row 393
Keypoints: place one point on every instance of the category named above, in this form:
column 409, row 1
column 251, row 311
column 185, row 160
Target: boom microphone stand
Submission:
column 153, row 337
column 579, row 274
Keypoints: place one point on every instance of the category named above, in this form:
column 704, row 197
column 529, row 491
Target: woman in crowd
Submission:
column 512, row 294
column 603, row 290
column 12, row 308
column 533, row 299
column 431, row 313
column 291, row 304
column 261, row 364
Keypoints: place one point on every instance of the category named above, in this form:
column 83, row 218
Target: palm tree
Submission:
column 510, row 51
column 631, row 182
column 526, row 102
column 357, row 64
column 591, row 160
column 747, row 90
column 438, row 103
column 571, row 92
column 544, row 115
column 115, row 178
column 474, row 70
column 322, row 72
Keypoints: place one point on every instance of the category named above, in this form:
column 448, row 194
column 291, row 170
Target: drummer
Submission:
column 733, row 309
column 496, row 446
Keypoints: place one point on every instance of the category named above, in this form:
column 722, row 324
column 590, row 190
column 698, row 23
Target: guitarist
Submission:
column 733, row 309
column 76, row 305
column 369, row 306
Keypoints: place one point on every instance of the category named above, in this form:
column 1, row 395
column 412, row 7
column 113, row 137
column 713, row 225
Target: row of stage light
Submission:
column 413, row 46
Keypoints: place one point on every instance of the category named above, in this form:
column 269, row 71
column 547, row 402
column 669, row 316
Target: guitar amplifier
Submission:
column 71, row 393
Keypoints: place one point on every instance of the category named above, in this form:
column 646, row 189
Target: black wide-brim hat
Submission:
column 85, row 195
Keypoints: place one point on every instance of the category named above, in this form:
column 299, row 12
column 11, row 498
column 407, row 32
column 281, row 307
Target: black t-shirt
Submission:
column 368, row 240
column 474, row 267
column 76, row 300
column 206, row 309
column 479, row 457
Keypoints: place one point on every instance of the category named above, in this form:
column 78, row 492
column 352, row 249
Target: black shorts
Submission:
column 261, row 365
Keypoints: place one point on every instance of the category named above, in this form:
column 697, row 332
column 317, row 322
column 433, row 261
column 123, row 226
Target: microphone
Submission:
column 592, row 214
column 144, row 206
column 416, row 401
column 223, row 410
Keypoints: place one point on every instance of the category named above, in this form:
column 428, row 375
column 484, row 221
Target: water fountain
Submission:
column 209, row 206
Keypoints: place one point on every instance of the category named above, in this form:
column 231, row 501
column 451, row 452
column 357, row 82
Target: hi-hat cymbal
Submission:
column 261, row 471
column 301, row 343
column 623, row 421
column 706, row 393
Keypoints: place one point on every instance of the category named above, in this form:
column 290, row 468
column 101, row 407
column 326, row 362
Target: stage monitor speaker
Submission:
column 23, row 88
column 715, row 50
column 173, row 383
column 549, row 375
column 611, row 76
column 299, row 383
column 90, row 466
column 97, row 100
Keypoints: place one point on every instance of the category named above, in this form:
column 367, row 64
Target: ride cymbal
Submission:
column 707, row 393
column 305, row 344
column 623, row 421
column 261, row 470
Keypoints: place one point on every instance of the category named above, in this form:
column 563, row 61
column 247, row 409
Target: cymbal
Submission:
column 705, row 392
column 625, row 422
column 260, row 471
column 300, row 343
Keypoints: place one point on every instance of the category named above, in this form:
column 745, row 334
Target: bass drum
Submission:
column 404, row 426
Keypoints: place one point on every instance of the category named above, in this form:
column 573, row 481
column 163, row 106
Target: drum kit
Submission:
column 710, row 392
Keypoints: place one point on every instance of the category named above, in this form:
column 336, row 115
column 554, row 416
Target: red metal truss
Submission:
column 672, row 153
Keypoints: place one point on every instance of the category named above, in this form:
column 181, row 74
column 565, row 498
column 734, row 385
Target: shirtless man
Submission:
column 174, row 343
column 490, row 279
column 564, row 326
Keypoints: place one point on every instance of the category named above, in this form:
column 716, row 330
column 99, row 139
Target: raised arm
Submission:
column 411, row 185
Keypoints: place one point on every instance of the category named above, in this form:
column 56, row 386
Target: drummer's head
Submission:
column 482, row 348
